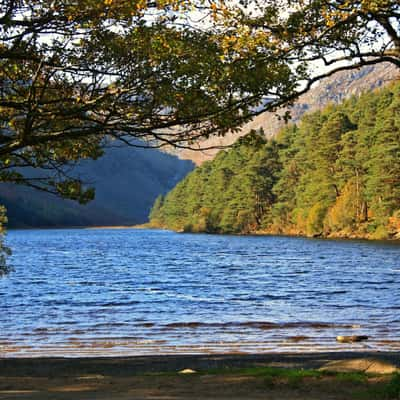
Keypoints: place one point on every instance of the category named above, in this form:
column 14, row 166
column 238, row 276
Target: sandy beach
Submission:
column 216, row 377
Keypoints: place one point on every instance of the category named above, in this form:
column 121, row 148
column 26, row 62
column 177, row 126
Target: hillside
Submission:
column 335, row 173
column 331, row 90
column 127, row 181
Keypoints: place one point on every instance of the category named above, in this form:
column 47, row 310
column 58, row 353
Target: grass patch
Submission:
column 293, row 378
column 349, row 385
column 351, row 377
column 383, row 390
column 272, row 372
column 360, row 386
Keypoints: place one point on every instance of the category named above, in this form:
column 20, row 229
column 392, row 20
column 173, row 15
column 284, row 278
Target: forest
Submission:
column 336, row 173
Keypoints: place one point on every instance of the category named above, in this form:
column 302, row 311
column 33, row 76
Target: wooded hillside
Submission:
column 127, row 181
column 335, row 173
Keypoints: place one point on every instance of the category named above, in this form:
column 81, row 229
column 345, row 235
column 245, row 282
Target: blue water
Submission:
column 126, row 292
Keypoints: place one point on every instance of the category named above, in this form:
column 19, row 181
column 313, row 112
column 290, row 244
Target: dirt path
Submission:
column 177, row 387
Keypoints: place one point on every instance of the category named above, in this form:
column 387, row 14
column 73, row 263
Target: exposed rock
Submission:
column 351, row 339
column 187, row 371
column 299, row 338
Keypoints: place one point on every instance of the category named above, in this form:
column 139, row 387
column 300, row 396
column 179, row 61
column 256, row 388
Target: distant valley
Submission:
column 127, row 181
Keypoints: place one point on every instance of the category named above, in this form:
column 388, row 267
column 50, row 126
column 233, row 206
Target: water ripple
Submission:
column 120, row 292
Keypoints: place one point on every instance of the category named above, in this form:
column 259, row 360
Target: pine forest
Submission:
column 334, row 174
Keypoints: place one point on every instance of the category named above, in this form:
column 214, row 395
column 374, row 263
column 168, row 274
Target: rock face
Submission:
column 351, row 339
column 334, row 89
column 187, row 371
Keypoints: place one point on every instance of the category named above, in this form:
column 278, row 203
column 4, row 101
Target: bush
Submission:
column 315, row 219
column 381, row 233
column 343, row 214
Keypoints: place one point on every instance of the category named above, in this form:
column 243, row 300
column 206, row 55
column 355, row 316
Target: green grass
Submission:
column 383, row 391
column 351, row 377
column 389, row 389
column 360, row 384
column 271, row 376
column 287, row 373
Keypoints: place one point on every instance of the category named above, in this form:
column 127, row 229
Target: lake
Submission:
column 90, row 292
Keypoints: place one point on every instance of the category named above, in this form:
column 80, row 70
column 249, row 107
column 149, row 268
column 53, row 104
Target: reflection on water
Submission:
column 127, row 292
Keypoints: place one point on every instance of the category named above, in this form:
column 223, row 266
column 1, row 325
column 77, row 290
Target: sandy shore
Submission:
column 156, row 377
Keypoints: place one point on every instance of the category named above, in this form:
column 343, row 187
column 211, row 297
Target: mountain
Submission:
column 334, row 89
column 127, row 181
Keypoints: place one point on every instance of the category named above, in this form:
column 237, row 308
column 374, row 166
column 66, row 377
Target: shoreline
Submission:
column 133, row 365
column 338, row 236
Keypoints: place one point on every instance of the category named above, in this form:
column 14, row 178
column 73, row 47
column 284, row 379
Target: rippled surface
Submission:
column 127, row 292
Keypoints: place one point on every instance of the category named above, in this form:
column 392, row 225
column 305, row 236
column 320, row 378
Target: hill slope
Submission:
column 127, row 181
column 330, row 90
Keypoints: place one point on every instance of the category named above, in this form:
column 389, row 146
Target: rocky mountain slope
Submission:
column 333, row 89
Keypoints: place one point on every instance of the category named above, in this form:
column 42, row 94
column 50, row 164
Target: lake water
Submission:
column 126, row 292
